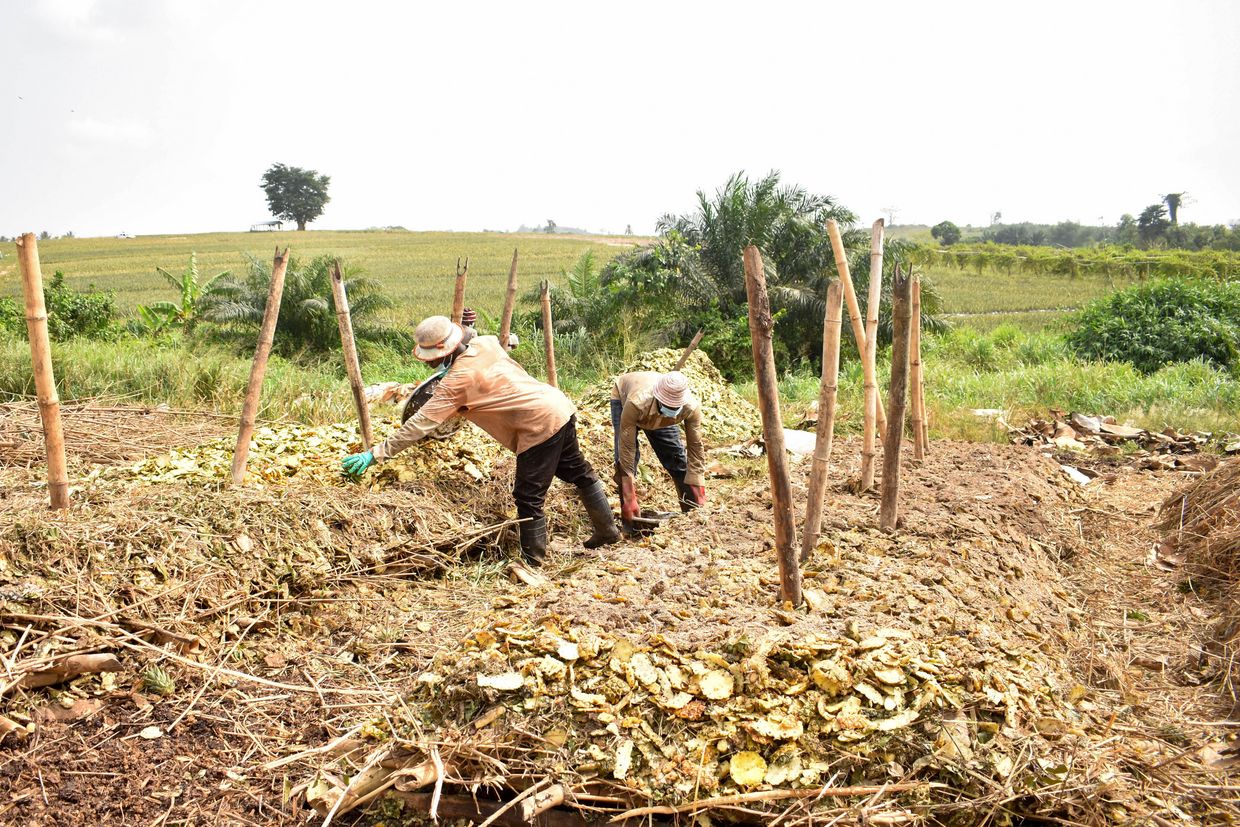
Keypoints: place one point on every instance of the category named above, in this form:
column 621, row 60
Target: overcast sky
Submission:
column 159, row 116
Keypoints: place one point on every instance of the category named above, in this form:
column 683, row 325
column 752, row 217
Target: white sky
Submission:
column 151, row 116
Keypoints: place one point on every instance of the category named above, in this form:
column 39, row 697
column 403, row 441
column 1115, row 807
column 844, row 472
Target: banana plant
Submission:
column 186, row 312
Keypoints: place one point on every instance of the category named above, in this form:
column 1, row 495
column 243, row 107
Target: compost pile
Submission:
column 279, row 454
column 1102, row 436
column 726, row 417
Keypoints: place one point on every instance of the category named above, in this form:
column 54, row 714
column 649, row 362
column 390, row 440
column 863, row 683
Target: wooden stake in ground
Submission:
column 510, row 302
column 684, row 357
column 831, row 328
column 921, row 376
column 44, row 378
column 253, row 390
column 850, row 299
column 871, row 355
column 458, row 295
column 914, row 374
column 349, row 347
column 901, row 318
column 761, row 328
column 544, row 293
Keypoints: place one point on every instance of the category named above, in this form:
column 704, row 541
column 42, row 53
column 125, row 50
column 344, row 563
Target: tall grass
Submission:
column 1025, row 374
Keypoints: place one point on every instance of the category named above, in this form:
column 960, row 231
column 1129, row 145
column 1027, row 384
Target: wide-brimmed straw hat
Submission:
column 437, row 337
column 672, row 389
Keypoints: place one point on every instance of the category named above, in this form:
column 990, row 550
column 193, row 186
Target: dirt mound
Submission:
column 326, row 640
column 726, row 417
column 931, row 665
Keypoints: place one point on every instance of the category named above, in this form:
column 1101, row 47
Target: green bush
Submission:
column 1162, row 322
column 88, row 313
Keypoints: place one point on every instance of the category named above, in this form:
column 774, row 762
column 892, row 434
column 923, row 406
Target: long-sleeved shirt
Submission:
column 488, row 388
column 641, row 410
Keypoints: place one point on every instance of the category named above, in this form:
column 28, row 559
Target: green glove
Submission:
column 356, row 464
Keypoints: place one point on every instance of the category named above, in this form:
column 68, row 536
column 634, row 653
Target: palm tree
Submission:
column 307, row 319
column 1174, row 200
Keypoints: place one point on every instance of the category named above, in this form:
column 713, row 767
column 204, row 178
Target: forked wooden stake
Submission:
column 262, row 351
column 548, row 333
column 914, row 375
column 458, row 296
column 871, row 356
column 901, row 316
column 510, row 302
column 761, row 328
column 44, row 378
column 349, row 347
column 850, row 299
column 684, row 357
column 831, row 328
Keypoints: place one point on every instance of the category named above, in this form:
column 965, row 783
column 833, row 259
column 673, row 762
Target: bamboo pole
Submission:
column 871, row 355
column 832, row 327
column 458, row 295
column 548, row 333
column 901, row 318
column 921, row 379
column 684, row 357
column 510, row 302
column 349, row 347
column 850, row 299
column 760, row 333
column 914, row 375
column 44, row 378
column 253, row 390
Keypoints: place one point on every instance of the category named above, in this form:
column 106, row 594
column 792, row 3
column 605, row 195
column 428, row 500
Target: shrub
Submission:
column 1154, row 324
column 89, row 313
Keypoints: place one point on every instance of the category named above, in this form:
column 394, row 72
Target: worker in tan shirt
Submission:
column 656, row 404
column 535, row 421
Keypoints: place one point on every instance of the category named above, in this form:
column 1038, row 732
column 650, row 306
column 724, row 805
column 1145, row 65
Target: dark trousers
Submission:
column 558, row 456
column 665, row 442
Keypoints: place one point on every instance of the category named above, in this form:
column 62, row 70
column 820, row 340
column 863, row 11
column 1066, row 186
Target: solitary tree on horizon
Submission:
column 295, row 194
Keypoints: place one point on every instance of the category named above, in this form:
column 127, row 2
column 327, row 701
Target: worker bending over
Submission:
column 530, row 418
column 656, row 403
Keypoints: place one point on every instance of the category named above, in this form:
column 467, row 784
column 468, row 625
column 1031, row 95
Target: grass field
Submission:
column 416, row 269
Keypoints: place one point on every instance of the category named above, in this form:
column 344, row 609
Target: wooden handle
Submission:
column 684, row 357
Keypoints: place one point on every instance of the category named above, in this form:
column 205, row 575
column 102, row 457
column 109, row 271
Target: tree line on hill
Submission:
column 1155, row 227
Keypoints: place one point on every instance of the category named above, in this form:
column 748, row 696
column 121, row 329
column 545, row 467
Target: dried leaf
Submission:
column 747, row 769
column 505, row 682
column 717, row 684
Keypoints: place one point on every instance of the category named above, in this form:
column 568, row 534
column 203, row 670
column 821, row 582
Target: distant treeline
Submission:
column 1127, row 231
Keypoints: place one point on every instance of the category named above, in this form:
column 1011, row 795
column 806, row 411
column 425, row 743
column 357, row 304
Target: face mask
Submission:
column 670, row 413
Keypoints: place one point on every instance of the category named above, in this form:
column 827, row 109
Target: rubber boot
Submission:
column 534, row 540
column 594, row 498
column 683, row 494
